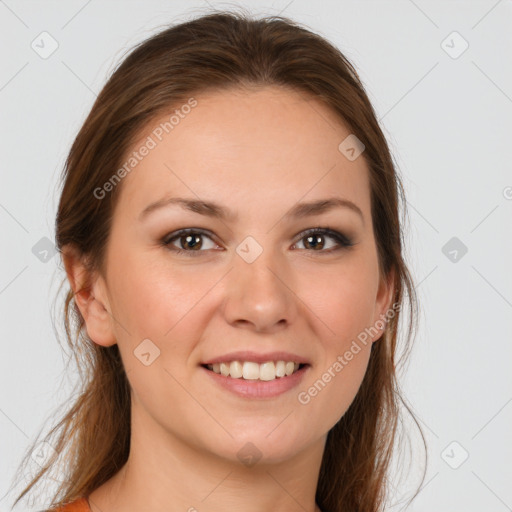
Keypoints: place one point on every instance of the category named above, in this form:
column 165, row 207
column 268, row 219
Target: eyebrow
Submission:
column 211, row 209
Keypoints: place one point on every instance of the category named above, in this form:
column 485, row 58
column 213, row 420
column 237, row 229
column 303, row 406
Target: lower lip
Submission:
column 259, row 388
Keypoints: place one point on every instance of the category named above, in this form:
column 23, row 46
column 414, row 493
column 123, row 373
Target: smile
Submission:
column 249, row 370
column 251, row 381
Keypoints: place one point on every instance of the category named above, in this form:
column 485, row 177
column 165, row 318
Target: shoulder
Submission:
column 79, row 505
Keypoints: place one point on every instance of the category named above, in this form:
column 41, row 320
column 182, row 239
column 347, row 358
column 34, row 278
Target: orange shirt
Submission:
column 79, row 505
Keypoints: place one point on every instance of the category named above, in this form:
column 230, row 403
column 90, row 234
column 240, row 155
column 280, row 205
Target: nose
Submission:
column 259, row 295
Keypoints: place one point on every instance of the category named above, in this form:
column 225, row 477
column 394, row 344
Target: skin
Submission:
column 257, row 152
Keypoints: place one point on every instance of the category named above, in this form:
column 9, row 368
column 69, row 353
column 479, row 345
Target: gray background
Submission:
column 448, row 119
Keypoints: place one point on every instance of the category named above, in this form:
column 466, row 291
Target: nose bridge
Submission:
column 256, row 293
column 259, row 275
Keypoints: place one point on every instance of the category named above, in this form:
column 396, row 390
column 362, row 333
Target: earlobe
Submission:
column 89, row 290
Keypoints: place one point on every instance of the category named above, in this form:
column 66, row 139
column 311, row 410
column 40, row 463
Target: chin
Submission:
column 271, row 446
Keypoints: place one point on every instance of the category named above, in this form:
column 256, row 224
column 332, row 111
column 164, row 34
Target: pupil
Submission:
column 191, row 240
column 315, row 240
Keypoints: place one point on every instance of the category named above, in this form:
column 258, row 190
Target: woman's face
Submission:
column 249, row 281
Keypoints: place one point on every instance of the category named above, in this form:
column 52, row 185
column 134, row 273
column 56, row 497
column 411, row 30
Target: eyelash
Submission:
column 343, row 241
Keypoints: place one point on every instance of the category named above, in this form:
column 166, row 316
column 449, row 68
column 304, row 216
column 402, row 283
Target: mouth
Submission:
column 252, row 371
column 250, row 380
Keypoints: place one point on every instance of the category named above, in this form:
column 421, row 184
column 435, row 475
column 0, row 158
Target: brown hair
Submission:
column 217, row 51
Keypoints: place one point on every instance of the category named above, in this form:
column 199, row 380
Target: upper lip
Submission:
column 247, row 355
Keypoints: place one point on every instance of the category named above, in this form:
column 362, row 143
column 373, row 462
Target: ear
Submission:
column 90, row 294
column 383, row 305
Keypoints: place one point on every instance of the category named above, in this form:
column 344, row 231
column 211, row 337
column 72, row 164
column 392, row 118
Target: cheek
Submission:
column 153, row 298
column 163, row 304
column 167, row 304
column 342, row 299
column 343, row 377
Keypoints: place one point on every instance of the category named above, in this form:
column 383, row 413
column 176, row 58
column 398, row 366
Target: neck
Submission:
column 166, row 474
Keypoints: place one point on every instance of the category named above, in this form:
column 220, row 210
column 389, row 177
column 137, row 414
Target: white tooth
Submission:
column 251, row 371
column 280, row 369
column 267, row 371
column 235, row 370
column 289, row 367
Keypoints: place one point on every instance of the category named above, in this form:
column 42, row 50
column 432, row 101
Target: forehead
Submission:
column 246, row 148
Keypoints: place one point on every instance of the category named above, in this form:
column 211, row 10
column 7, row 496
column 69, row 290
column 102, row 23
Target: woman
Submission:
column 229, row 225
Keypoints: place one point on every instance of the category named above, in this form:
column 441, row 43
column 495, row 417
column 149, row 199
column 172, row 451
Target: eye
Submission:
column 188, row 240
column 315, row 239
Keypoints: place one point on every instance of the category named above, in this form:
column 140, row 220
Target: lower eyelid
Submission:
column 169, row 242
column 341, row 241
